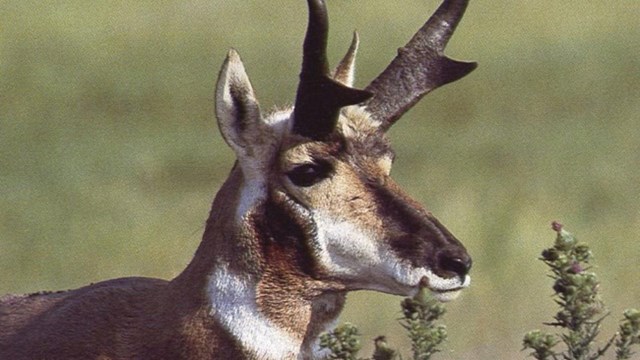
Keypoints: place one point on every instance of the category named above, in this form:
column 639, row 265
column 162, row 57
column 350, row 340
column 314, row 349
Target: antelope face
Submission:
column 316, row 188
column 365, row 231
column 334, row 197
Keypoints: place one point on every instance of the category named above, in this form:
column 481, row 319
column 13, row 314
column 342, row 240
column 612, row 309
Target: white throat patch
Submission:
column 233, row 304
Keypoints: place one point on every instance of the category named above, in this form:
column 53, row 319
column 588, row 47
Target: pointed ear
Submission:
column 236, row 106
column 239, row 117
column 345, row 71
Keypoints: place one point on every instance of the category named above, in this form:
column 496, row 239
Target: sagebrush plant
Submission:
column 576, row 291
column 581, row 308
column 343, row 342
column 420, row 315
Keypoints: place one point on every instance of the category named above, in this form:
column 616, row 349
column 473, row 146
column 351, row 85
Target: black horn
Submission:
column 319, row 98
column 419, row 67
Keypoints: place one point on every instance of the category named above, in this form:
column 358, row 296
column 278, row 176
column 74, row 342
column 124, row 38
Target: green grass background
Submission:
column 110, row 156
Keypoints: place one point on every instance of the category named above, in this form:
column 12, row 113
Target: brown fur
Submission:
column 129, row 318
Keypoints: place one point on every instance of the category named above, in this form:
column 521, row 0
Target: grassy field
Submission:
column 110, row 156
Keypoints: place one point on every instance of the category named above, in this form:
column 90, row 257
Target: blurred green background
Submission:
column 110, row 156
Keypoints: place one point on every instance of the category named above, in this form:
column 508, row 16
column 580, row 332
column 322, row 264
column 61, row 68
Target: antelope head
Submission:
column 316, row 179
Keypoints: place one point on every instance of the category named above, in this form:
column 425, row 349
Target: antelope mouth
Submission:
column 443, row 294
column 446, row 295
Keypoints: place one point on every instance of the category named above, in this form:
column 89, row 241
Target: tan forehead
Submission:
column 355, row 127
column 300, row 153
column 356, row 123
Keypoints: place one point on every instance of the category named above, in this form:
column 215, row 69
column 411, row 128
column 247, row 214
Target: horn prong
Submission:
column 319, row 98
column 345, row 71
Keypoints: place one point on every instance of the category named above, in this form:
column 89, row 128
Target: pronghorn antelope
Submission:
column 308, row 213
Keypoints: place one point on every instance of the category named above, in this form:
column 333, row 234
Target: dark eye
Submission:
column 309, row 174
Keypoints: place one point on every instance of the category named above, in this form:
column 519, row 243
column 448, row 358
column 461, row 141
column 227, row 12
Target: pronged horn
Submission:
column 344, row 73
column 419, row 67
column 320, row 98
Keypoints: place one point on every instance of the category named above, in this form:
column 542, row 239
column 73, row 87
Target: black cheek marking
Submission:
column 276, row 227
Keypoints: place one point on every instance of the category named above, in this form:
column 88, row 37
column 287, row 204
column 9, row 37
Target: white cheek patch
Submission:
column 355, row 254
column 233, row 304
column 345, row 249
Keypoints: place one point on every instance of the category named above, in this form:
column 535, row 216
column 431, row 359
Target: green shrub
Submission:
column 581, row 308
column 420, row 316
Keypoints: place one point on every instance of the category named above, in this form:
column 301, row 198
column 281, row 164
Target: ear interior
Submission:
column 237, row 109
column 240, row 121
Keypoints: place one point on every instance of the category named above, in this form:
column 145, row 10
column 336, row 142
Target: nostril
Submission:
column 457, row 264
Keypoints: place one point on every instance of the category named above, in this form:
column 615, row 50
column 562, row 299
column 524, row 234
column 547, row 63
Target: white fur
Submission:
column 280, row 121
column 253, row 191
column 355, row 254
column 232, row 298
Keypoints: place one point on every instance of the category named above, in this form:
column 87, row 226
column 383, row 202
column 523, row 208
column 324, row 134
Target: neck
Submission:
column 259, row 287
column 268, row 320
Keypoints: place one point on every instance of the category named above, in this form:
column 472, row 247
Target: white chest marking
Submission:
column 232, row 298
